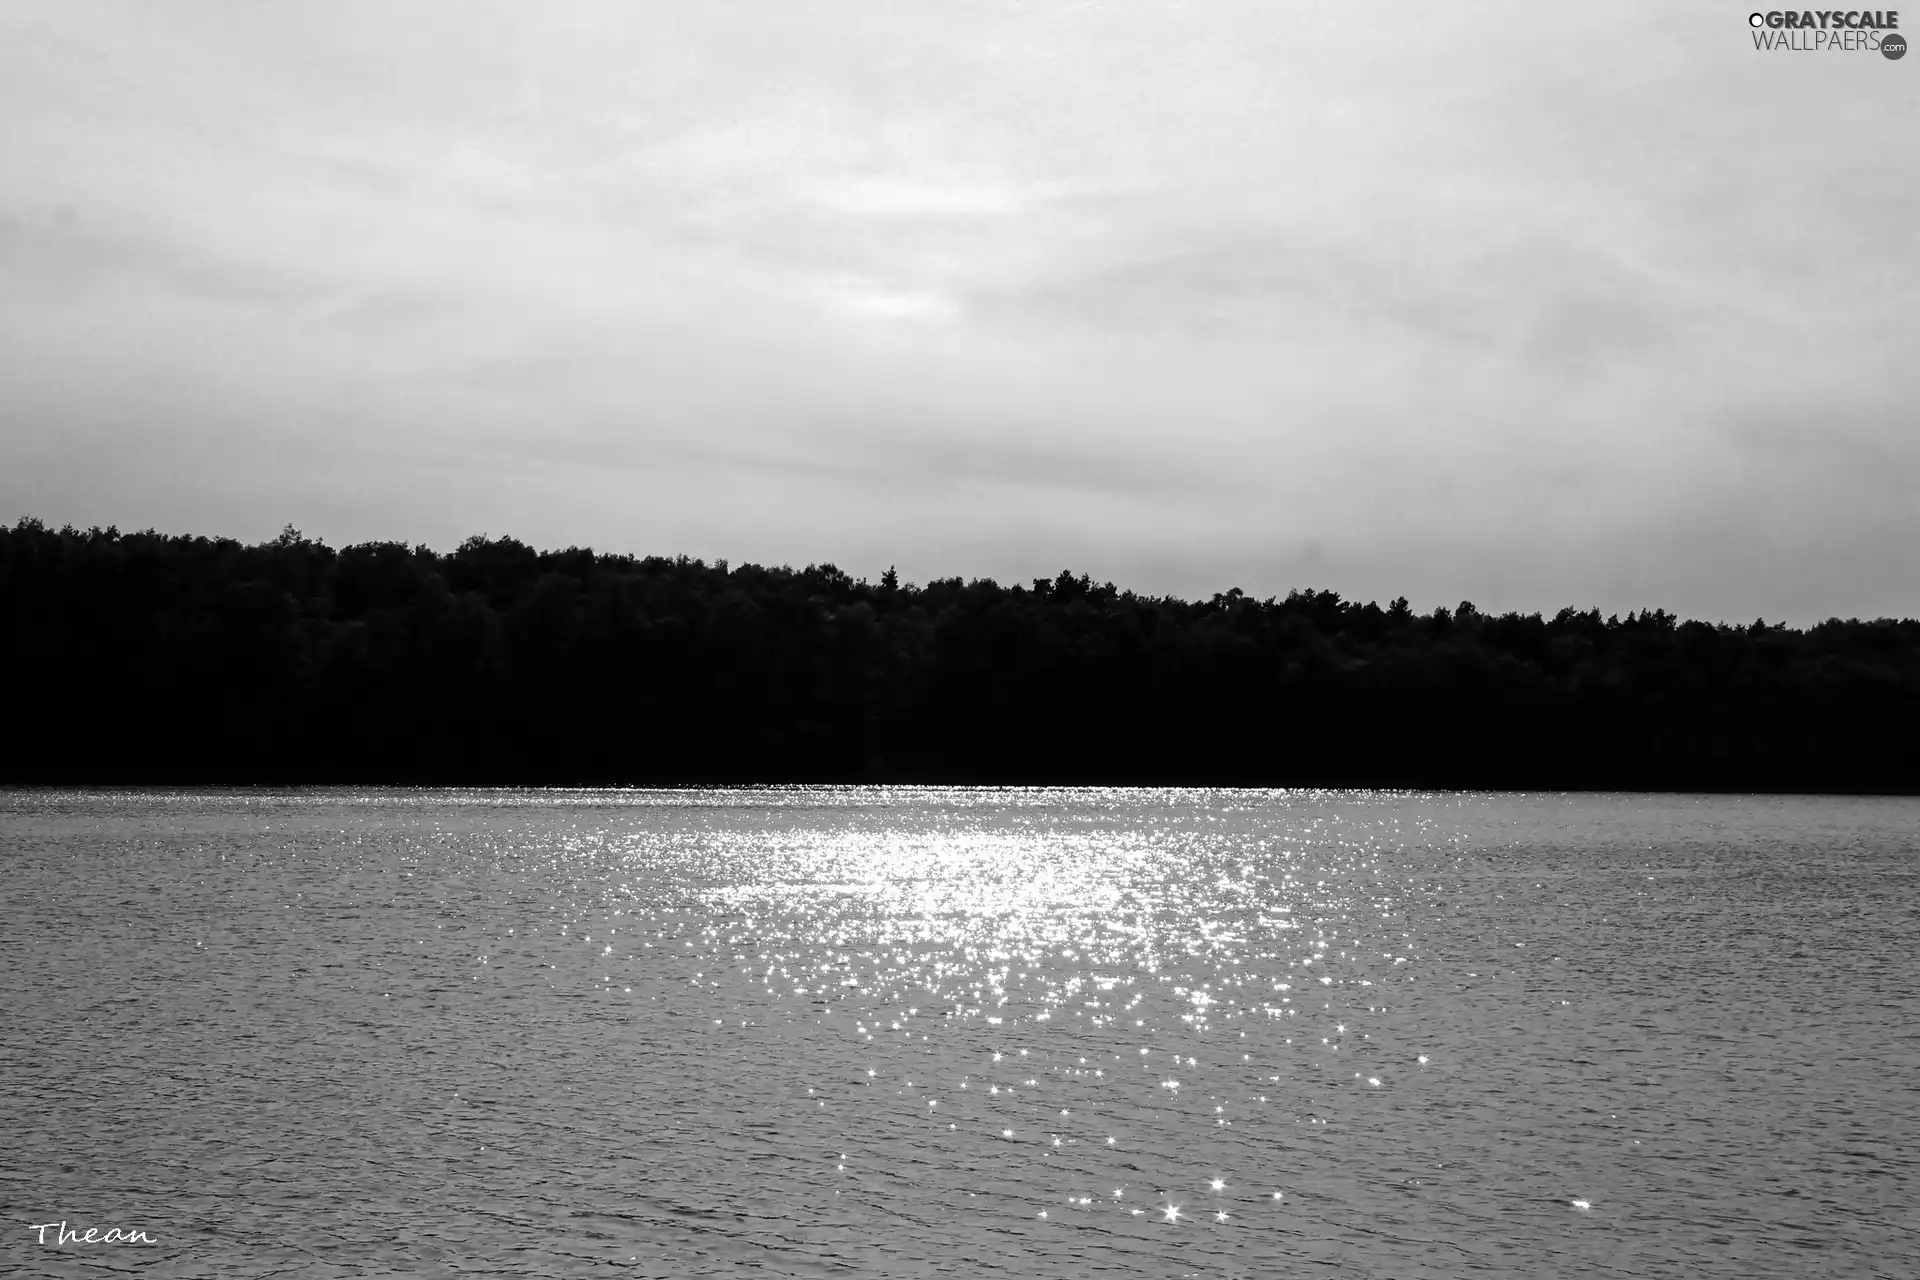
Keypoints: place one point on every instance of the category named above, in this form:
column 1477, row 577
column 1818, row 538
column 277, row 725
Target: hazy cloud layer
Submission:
column 1451, row 301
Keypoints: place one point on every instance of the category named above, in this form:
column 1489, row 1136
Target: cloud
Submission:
column 1437, row 302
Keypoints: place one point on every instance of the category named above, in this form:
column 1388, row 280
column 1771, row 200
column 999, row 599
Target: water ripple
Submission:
column 918, row 1031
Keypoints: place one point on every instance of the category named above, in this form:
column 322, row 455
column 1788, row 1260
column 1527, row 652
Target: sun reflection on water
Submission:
column 1030, row 924
column 1026, row 950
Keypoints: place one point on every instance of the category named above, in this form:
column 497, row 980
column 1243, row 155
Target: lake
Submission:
column 922, row 1031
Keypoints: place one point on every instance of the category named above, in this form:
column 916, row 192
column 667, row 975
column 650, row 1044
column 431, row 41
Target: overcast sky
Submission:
column 1514, row 303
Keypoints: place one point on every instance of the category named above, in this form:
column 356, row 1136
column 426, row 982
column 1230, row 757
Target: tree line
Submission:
column 150, row 658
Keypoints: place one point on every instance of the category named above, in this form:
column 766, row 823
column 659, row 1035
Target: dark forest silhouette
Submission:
column 145, row 658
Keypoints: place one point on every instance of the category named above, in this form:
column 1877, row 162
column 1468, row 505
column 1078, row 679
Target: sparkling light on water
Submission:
column 935, row 1032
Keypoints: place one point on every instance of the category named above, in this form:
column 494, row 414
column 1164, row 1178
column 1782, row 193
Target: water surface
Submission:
column 907, row 1031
